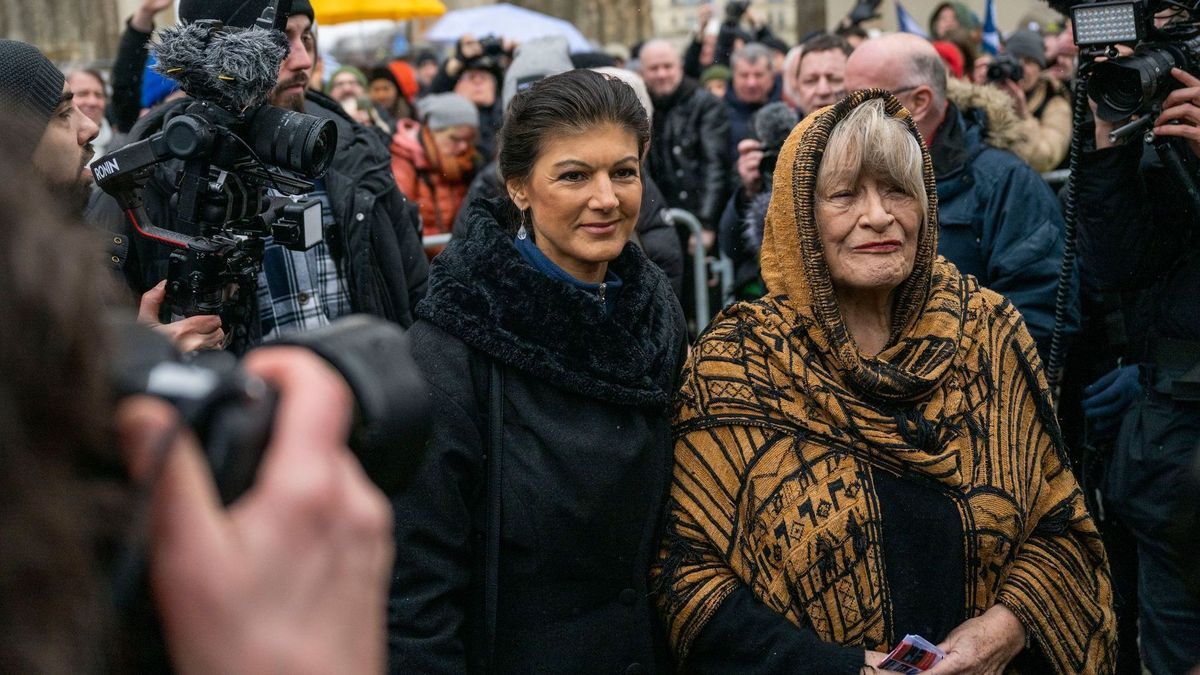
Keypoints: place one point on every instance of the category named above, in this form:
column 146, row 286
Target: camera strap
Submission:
column 493, row 463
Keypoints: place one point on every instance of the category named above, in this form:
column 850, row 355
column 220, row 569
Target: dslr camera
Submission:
column 1005, row 67
column 492, row 45
column 735, row 10
column 231, row 146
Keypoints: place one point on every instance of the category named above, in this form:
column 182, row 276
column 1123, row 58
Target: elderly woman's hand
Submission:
column 983, row 645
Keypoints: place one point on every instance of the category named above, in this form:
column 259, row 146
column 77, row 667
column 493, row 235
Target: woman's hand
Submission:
column 983, row 645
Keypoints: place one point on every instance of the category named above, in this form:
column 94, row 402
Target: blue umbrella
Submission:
column 505, row 20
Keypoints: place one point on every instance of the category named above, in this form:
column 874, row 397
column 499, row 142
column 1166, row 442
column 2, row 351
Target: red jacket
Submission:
column 437, row 187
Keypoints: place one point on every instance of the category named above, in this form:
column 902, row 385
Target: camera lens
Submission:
column 293, row 140
column 1122, row 87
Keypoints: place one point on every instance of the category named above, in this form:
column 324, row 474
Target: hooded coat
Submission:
column 813, row 481
column 585, row 456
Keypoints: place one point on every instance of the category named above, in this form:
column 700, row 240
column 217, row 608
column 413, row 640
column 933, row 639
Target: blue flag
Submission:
column 991, row 30
column 907, row 23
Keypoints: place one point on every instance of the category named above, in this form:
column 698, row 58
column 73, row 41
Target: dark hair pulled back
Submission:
column 570, row 103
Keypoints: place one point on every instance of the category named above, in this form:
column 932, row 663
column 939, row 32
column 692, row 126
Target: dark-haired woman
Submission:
column 552, row 347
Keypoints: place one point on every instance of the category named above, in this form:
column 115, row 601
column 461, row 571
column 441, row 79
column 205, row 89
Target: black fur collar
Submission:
column 482, row 291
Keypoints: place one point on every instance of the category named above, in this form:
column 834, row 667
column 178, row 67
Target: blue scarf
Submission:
column 608, row 290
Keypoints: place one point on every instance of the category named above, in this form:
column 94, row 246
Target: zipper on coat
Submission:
column 601, row 290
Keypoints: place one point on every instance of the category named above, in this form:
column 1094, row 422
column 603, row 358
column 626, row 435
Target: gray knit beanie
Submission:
column 30, row 86
column 535, row 60
column 238, row 13
column 1026, row 44
column 439, row 111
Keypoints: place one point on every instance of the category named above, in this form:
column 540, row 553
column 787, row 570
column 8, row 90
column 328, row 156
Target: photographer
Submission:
column 1040, row 100
column 1136, row 245
column 476, row 72
column 370, row 259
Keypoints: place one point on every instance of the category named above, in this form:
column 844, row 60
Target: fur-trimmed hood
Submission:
column 483, row 292
column 1003, row 125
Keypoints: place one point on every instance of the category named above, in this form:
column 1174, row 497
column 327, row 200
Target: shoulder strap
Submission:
column 493, row 462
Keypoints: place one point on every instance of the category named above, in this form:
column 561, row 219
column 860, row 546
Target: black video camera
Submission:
column 233, row 147
column 232, row 413
column 1136, row 84
column 1005, row 67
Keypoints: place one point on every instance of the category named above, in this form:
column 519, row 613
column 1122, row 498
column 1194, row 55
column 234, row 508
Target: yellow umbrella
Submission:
column 340, row 11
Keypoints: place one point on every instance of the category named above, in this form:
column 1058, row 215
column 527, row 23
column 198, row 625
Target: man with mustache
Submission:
column 371, row 260
column 36, row 98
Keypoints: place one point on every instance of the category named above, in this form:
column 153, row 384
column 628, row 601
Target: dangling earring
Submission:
column 521, row 233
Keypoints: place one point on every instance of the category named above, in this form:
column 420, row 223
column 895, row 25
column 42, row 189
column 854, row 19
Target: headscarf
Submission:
column 956, row 399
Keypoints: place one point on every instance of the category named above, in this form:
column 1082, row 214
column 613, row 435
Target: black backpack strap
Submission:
column 493, row 462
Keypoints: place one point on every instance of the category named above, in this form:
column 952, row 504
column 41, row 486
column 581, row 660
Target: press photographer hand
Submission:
column 1182, row 107
column 188, row 335
column 293, row 577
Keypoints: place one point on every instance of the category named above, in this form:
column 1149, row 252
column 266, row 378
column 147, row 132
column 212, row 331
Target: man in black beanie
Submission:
column 371, row 260
column 46, row 128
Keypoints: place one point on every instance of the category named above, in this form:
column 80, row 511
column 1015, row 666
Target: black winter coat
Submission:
column 1137, row 236
column 689, row 151
column 377, row 242
column 586, row 460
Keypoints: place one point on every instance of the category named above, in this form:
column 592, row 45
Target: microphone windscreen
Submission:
column 772, row 124
column 234, row 68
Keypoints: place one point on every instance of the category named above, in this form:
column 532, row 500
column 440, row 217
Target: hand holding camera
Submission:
column 306, row 548
column 1180, row 116
column 750, row 155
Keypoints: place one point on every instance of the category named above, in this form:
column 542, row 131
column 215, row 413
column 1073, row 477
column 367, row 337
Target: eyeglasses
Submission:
column 901, row 90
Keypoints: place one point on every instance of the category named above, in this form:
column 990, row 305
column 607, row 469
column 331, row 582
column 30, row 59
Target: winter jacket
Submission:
column 1137, row 236
column 740, row 113
column 689, row 151
column 999, row 221
column 376, row 242
column 1047, row 129
column 585, row 457
column 437, row 185
column 653, row 232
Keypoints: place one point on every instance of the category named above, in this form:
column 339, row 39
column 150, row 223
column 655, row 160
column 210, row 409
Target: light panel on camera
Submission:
column 1106, row 23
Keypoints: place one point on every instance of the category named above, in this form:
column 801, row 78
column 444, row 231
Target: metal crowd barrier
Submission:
column 704, row 268
column 1056, row 179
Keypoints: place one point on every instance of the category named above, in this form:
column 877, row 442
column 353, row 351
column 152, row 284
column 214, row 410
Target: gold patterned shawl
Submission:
column 781, row 422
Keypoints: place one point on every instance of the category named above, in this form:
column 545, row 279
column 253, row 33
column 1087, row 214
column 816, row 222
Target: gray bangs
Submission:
column 869, row 142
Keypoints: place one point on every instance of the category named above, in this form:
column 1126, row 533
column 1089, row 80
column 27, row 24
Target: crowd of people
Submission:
column 865, row 443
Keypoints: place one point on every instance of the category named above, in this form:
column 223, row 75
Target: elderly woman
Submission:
column 871, row 451
column 552, row 346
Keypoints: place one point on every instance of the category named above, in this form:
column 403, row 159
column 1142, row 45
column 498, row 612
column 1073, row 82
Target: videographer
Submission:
column 370, row 259
column 1137, row 246
column 290, row 579
column 55, row 138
